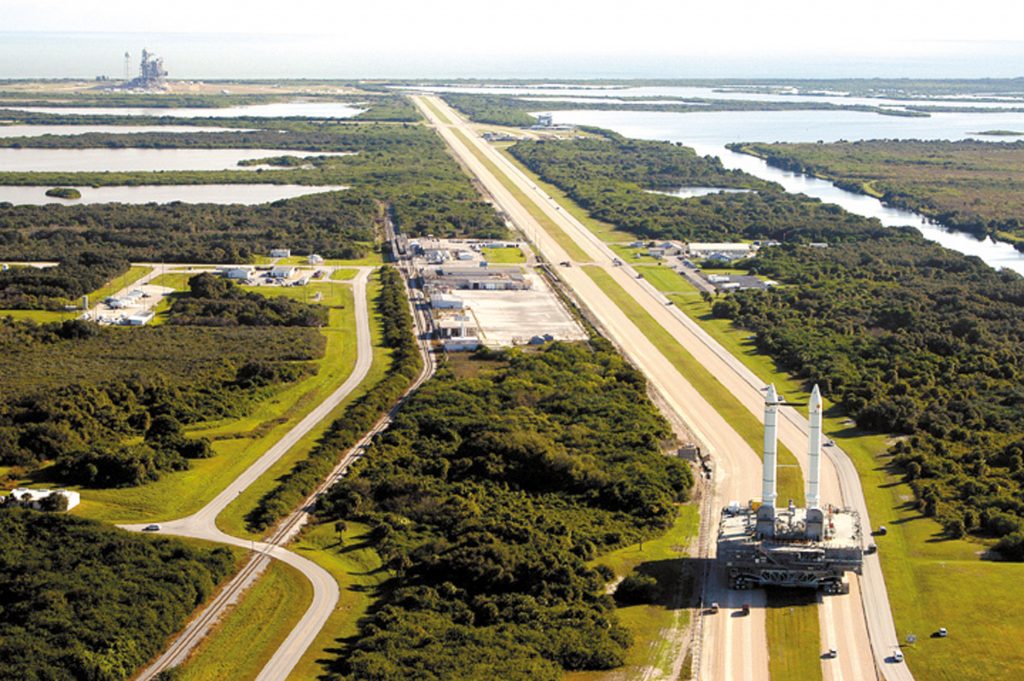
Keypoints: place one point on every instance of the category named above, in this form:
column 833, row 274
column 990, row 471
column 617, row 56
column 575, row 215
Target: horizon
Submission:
column 26, row 55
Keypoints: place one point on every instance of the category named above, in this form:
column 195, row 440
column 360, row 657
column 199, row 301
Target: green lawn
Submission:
column 359, row 573
column 232, row 519
column 344, row 274
column 794, row 638
column 790, row 479
column 239, row 442
column 372, row 259
column 248, row 635
column 546, row 223
column 651, row 625
column 505, row 256
column 931, row 581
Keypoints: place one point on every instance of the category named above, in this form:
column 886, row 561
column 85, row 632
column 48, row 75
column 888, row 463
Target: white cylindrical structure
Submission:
column 771, row 409
column 814, row 448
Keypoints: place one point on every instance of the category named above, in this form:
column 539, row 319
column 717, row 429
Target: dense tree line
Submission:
column 343, row 433
column 487, row 496
column 913, row 339
column 81, row 601
column 30, row 288
column 613, row 177
column 218, row 301
column 106, row 407
column 332, row 224
column 967, row 185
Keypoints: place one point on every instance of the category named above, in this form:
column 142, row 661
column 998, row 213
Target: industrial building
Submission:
column 813, row 547
column 720, row 251
column 450, row 278
column 281, row 253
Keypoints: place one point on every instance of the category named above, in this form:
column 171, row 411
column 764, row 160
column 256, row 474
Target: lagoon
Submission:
column 131, row 160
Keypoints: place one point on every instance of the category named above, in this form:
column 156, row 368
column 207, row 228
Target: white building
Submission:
column 33, row 497
column 722, row 251
column 140, row 319
column 282, row 272
column 237, row 272
column 545, row 120
column 281, row 253
column 446, row 301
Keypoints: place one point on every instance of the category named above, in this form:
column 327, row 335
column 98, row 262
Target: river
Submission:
column 186, row 193
column 709, row 132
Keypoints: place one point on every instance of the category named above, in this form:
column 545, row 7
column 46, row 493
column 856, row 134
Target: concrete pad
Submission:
column 513, row 317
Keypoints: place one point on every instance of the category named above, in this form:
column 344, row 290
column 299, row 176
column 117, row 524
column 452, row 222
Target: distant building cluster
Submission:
column 152, row 75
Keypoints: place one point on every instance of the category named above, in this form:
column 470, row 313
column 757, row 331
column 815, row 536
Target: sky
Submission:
column 983, row 36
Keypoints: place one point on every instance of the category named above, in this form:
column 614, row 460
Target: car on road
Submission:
column 897, row 656
column 565, row 263
column 870, row 549
column 745, row 609
column 616, row 262
column 151, row 528
column 828, row 443
column 832, row 653
column 714, row 608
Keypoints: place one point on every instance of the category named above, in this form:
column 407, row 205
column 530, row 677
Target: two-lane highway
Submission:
column 866, row 607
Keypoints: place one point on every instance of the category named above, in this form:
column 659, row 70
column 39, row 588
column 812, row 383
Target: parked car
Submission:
column 942, row 633
column 746, row 608
column 882, row 531
column 714, row 608
column 871, row 548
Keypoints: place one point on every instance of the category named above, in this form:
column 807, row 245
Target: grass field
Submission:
column 790, row 479
column 246, row 638
column 232, row 519
column 652, row 626
column 239, row 442
column 794, row 640
column 358, row 571
column 134, row 273
column 504, row 256
column 344, row 274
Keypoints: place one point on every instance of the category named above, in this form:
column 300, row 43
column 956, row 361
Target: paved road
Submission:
column 846, row 619
column 202, row 525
